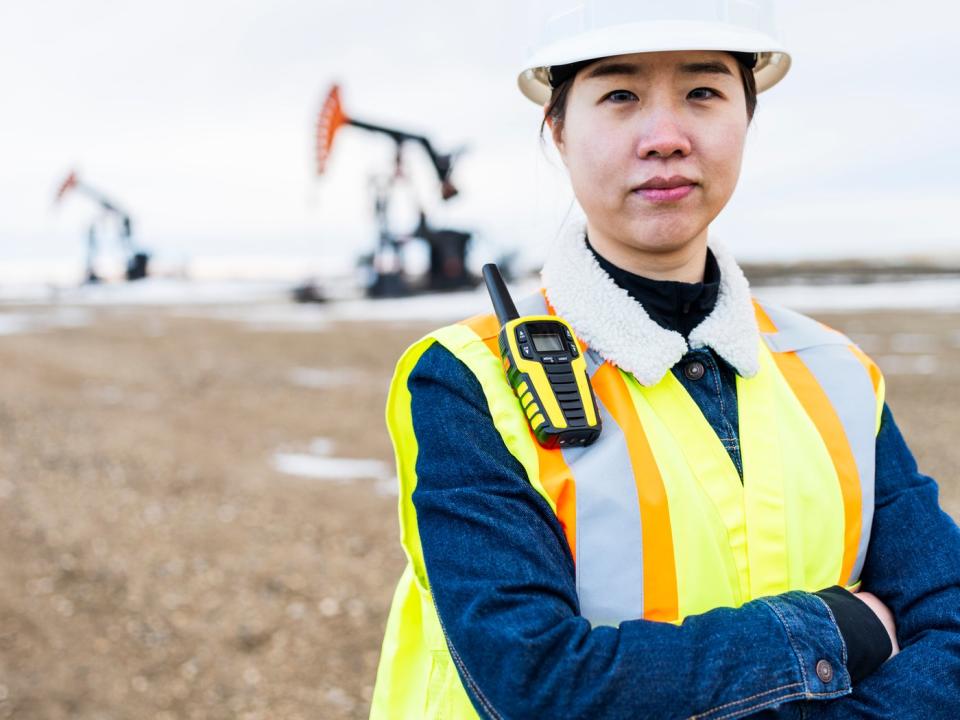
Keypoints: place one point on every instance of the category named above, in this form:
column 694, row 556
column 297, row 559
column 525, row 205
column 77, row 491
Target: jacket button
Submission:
column 824, row 671
column 694, row 370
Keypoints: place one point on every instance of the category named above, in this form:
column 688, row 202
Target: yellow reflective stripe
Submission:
column 579, row 365
column 706, row 574
column 400, row 426
column 761, row 427
column 881, row 394
column 413, row 640
column 813, row 509
column 821, row 412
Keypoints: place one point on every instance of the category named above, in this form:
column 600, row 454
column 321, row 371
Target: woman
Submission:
column 698, row 559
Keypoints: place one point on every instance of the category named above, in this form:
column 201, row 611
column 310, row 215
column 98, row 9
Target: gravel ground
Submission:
column 156, row 563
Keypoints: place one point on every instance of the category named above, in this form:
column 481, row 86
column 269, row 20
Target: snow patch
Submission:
column 914, row 343
column 907, row 364
column 16, row 323
column 150, row 292
column 322, row 378
column 318, row 465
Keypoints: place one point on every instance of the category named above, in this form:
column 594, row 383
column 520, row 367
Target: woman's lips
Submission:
column 666, row 194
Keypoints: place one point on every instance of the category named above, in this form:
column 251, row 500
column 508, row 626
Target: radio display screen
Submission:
column 546, row 342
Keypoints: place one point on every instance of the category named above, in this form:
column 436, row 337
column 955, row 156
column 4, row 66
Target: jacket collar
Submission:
column 617, row 327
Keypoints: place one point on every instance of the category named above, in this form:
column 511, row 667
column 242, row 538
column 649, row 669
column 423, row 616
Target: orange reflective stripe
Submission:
column 876, row 380
column 824, row 417
column 487, row 328
column 869, row 365
column 550, row 310
column 659, row 571
column 484, row 324
column 557, row 480
column 763, row 320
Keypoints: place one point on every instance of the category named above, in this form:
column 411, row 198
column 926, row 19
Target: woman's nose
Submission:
column 662, row 135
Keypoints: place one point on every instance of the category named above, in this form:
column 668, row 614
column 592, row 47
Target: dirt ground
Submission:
column 154, row 563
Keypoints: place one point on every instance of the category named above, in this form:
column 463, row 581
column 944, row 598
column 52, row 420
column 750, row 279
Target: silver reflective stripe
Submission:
column 532, row 304
column 849, row 388
column 847, row 384
column 609, row 528
column 594, row 361
column 796, row 332
column 609, row 525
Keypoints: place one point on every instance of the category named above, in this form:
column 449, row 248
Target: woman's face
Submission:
column 630, row 119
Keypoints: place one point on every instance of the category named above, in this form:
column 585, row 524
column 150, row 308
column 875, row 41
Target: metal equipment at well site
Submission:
column 448, row 248
column 137, row 259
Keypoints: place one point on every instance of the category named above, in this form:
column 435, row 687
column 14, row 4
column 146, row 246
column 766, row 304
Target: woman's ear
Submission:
column 555, row 133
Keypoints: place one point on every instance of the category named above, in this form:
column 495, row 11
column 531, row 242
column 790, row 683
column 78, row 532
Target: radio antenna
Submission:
column 499, row 295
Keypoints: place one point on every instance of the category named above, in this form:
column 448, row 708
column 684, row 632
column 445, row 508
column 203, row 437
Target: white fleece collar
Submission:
column 617, row 327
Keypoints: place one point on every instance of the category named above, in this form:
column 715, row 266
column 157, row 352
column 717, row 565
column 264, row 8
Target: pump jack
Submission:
column 137, row 259
column 448, row 248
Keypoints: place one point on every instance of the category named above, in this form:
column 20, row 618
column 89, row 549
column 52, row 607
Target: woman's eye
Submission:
column 697, row 93
column 619, row 96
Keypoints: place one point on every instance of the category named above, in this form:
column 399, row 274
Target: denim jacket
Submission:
column 503, row 583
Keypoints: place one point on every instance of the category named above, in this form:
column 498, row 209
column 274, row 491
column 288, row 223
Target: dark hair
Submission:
column 556, row 109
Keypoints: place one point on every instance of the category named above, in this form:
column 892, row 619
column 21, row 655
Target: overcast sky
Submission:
column 198, row 117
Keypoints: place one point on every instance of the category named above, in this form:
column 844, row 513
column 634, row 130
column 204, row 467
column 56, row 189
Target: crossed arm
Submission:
column 913, row 565
column 504, row 586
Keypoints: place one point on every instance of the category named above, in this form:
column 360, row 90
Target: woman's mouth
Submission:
column 659, row 189
column 672, row 194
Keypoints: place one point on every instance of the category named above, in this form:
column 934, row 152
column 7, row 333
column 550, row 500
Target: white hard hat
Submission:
column 572, row 31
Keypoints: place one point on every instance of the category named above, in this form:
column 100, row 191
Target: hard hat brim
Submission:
column 773, row 61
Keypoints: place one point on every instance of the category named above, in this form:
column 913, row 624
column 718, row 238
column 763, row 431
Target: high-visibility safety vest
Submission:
column 655, row 513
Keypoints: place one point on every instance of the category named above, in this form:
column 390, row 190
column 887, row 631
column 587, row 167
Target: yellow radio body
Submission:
column 548, row 373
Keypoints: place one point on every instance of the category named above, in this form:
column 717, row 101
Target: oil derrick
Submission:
column 448, row 247
column 137, row 260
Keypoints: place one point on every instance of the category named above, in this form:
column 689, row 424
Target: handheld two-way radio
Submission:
column 546, row 371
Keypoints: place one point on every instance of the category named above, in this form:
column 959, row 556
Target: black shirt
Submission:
column 673, row 305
